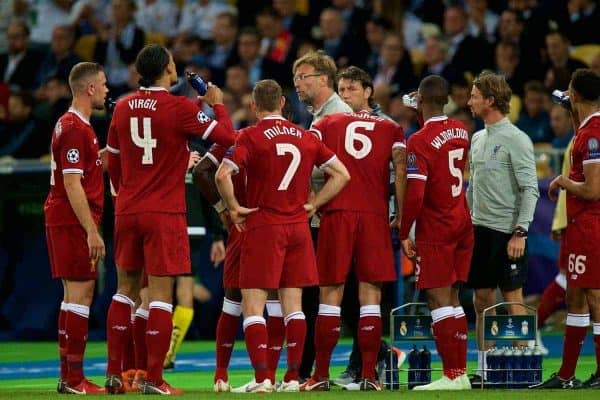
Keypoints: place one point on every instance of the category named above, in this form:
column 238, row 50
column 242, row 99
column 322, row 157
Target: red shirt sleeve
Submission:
column 415, row 191
column 324, row 155
column 114, row 158
column 73, row 148
column 591, row 146
column 223, row 117
column 399, row 137
column 238, row 154
column 193, row 121
column 319, row 127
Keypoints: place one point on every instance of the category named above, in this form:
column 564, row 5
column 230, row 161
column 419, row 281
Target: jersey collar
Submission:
column 154, row 88
column 436, row 119
column 81, row 117
column 585, row 121
column 274, row 117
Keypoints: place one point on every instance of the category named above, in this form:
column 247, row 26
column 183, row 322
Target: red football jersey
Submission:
column 278, row 157
column 586, row 150
column 216, row 154
column 149, row 130
column 74, row 151
column 363, row 142
column 437, row 154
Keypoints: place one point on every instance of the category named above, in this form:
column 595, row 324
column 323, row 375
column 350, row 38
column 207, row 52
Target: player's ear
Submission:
column 282, row 102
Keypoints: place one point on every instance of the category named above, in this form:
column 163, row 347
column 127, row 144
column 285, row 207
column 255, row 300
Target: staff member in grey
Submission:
column 502, row 194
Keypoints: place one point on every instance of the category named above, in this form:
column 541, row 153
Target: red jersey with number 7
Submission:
column 363, row 143
column 278, row 157
column 149, row 131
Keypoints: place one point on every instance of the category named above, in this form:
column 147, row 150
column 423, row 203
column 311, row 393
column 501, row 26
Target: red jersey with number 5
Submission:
column 363, row 143
column 437, row 154
column 74, row 151
column 278, row 157
column 149, row 132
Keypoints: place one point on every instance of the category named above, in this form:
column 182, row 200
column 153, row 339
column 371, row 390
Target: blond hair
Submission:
column 321, row 62
column 494, row 86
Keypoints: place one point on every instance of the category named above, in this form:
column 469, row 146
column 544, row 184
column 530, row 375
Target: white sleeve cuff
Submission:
column 209, row 130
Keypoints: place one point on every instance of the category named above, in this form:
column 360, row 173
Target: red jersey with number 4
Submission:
column 74, row 151
column 278, row 157
column 149, row 130
column 437, row 154
column 363, row 143
column 586, row 150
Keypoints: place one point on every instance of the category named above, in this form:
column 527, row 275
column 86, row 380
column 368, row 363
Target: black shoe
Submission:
column 556, row 382
column 60, row 386
column 592, row 383
column 169, row 365
column 476, row 381
column 114, row 385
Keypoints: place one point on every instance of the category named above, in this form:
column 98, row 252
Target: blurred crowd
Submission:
column 536, row 45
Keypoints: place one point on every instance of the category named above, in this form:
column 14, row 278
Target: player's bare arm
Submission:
column 588, row 190
column 399, row 161
column 339, row 177
column 81, row 208
column 213, row 95
column 204, row 179
column 237, row 213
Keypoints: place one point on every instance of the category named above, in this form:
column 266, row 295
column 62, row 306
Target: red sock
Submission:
column 128, row 361
column 552, row 298
column 255, row 334
column 118, row 323
column 597, row 346
column 369, row 338
column 62, row 340
column 76, row 328
column 327, row 333
column 276, row 334
column 460, row 324
column 295, row 333
column 139, row 339
column 158, row 338
column 576, row 329
column 227, row 328
column 444, row 330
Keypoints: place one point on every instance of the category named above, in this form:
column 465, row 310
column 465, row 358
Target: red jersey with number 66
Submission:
column 278, row 157
column 74, row 151
column 149, row 133
column 363, row 143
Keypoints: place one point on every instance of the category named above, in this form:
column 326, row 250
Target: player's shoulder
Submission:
column 591, row 127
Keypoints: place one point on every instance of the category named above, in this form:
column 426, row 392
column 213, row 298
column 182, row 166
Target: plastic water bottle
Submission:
column 197, row 82
column 536, row 365
column 562, row 98
column 425, row 365
column 517, row 367
column 392, row 381
column 491, row 360
column 414, row 375
column 527, row 366
column 510, row 360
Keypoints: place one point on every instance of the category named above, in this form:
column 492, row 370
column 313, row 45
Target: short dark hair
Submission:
column 356, row 74
column 23, row 25
column 434, row 90
column 267, row 95
column 586, row 83
column 535, row 87
column 150, row 63
column 493, row 85
column 80, row 73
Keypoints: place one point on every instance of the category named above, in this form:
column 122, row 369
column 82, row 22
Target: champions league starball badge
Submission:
column 73, row 156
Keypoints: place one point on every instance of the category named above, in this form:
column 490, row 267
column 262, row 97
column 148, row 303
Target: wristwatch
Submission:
column 520, row 232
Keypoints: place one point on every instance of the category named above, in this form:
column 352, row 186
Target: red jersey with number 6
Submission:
column 74, row 151
column 437, row 154
column 363, row 143
column 278, row 157
column 149, row 131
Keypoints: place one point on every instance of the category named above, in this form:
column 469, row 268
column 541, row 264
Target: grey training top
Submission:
column 503, row 188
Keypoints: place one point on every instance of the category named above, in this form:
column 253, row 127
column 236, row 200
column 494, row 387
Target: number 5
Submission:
column 454, row 155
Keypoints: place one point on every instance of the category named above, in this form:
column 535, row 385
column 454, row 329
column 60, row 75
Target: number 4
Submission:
column 147, row 142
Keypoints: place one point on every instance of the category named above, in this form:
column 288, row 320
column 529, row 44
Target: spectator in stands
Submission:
column 118, row 44
column 376, row 29
column 19, row 66
column 198, row 17
column 185, row 48
column 10, row 10
column 535, row 22
column 557, row 46
column 52, row 100
column 340, row 46
column 259, row 67
column 465, row 116
column 507, row 60
column 562, row 127
column 502, row 194
column 436, row 59
column 49, row 14
column 467, row 54
column 60, row 58
column 482, row 21
column 582, row 27
column 237, row 81
column 395, row 68
column 278, row 44
column 404, row 116
column 510, row 26
column 20, row 128
column 354, row 18
column 223, row 49
column 534, row 119
column 157, row 16
column 292, row 21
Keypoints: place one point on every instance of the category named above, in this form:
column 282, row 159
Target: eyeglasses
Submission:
column 302, row 77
